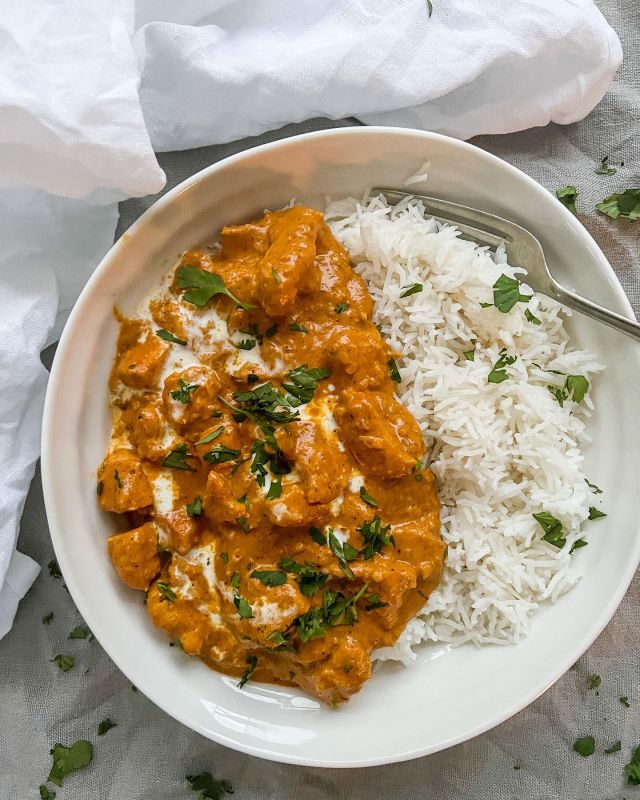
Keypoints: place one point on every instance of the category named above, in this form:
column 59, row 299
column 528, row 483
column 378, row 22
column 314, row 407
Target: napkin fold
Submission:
column 88, row 91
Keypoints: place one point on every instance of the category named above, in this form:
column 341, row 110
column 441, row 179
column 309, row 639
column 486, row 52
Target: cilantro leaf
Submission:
column 99, row 487
column 194, row 509
column 46, row 620
column 177, row 459
column 594, row 681
column 530, row 317
column 310, row 625
column 625, row 701
column 411, row 288
column 470, row 355
column 552, row 527
column 341, row 307
column 506, row 293
column 210, row 788
column 367, row 497
column 317, row 536
column 65, row 663
column 106, row 725
column 594, row 489
column 294, row 326
column 605, row 169
column 275, row 490
column 220, row 454
column 304, row 383
column 621, row 204
column 375, row 536
column 183, row 393
column 69, row 759
column 632, row 769
column 577, row 386
column 269, row 577
column 246, row 344
column 594, row 513
column 393, row 371
column 498, row 372
column 585, row 746
column 169, row 337
column 271, row 331
column 54, row 569
column 46, row 793
column 616, row 747
column 202, row 286
column 243, row 608
column 167, row 592
column 338, row 551
column 567, row 195
column 79, row 632
column 310, row 578
column 243, row 522
column 211, row 437
column 252, row 662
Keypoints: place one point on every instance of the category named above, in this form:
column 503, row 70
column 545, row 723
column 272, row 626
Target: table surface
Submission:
column 530, row 756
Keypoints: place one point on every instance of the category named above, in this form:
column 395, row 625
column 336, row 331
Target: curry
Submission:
column 274, row 502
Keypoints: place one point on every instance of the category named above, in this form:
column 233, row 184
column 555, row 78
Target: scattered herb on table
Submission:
column 252, row 662
column 46, row 793
column 65, row 663
column 585, row 746
column 604, row 167
column 46, row 620
column 568, row 195
column 194, row 509
column 593, row 682
column 209, row 787
column 625, row 701
column 69, row 759
column 632, row 769
column 177, row 459
column 80, row 632
column 625, row 205
column 595, row 513
column 498, row 371
column 167, row 592
column 411, row 288
column 429, row 8
column 616, row 747
column 106, row 725
column 201, row 286
column 169, row 337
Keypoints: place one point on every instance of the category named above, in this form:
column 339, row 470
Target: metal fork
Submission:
column 522, row 248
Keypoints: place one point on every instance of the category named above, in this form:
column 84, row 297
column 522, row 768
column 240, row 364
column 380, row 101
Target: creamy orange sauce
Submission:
column 283, row 538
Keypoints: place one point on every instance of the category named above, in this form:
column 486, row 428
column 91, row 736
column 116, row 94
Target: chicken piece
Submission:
column 149, row 430
column 183, row 530
column 359, row 354
column 170, row 317
column 139, row 366
column 135, row 555
column 341, row 666
column 237, row 240
column 381, row 434
column 190, row 396
column 123, row 484
column 220, row 500
column 292, row 251
column 390, row 579
column 292, row 509
column 322, row 467
column 420, row 544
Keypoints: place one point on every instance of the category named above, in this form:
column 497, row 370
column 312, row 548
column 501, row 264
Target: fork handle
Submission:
column 593, row 310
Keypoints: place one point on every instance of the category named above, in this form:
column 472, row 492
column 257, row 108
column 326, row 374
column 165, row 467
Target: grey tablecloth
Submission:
column 148, row 755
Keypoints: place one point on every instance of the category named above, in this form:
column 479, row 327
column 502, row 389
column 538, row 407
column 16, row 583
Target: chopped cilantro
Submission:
column 280, row 640
column 244, row 609
column 275, row 490
column 224, row 557
column 202, row 286
column 271, row 331
column 208, row 786
column 235, row 580
column 310, row 578
column 177, row 459
column 338, row 550
column 373, row 602
column 46, row 793
column 79, row 632
column 276, row 275
column 246, row 344
column 46, row 620
column 252, row 662
column 65, row 663
column 262, row 405
column 269, row 577
column 411, row 288
column 393, row 371
column 183, row 393
column 567, row 195
column 593, row 682
column 69, row 759
column 429, row 8
column 470, row 355
column 169, row 337
column 530, row 317
column 506, row 293
column 575, row 386
column 194, row 509
column 341, row 307
column 243, row 522
column 625, row 701
column 317, row 536
column 117, row 479
column 294, row 326
column 304, row 382
column 552, row 527
column 605, row 169
column 625, row 205
column 595, row 513
column 367, row 497
column 106, row 725
column 498, row 372
column 311, row 625
column 211, row 437
column 167, row 592
column 616, row 747
column 585, row 746
column 375, row 536
column 632, row 769
column 220, row 454
column 577, row 544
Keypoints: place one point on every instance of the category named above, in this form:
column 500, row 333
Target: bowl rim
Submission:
column 48, row 465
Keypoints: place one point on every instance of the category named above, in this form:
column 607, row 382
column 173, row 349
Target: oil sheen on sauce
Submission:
column 269, row 484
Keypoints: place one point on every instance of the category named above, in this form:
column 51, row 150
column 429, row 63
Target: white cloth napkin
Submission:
column 88, row 90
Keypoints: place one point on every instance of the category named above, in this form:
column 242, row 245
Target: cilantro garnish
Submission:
column 201, row 286
column 632, row 769
column 46, row 793
column 310, row 578
column 616, row 747
column 252, row 661
column 69, row 759
column 373, row 602
column 595, row 489
column 177, row 459
column 341, row 307
column 605, row 169
column 280, row 640
column 429, row 8
column 470, row 355
column 575, row 386
column 244, row 609
column 246, row 344
column 393, row 371
column 567, row 195
column 552, row 527
column 625, row 701
column 224, row 557
column 311, row 625
column 46, row 620
column 304, row 382
column 621, row 204
column 498, row 372
column 65, row 663
column 375, row 536
column 220, row 454
column 269, row 577
column 183, row 393
column 595, row 513
column 194, row 509
column 294, row 326
column 243, row 522
column 271, row 331
column 585, row 746
column 210, row 788
column 167, row 592
column 79, row 632
column 117, row 479
column 411, row 288
column 276, row 275
column 317, row 536
column 343, row 552
column 263, row 405
column 506, row 293
column 364, row 494
column 169, row 337
column 211, row 437
column 275, row 490
column 530, row 317
column 106, row 725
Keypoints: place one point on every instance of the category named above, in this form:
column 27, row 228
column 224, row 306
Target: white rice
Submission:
column 500, row 452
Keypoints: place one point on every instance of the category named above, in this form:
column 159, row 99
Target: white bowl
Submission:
column 447, row 696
